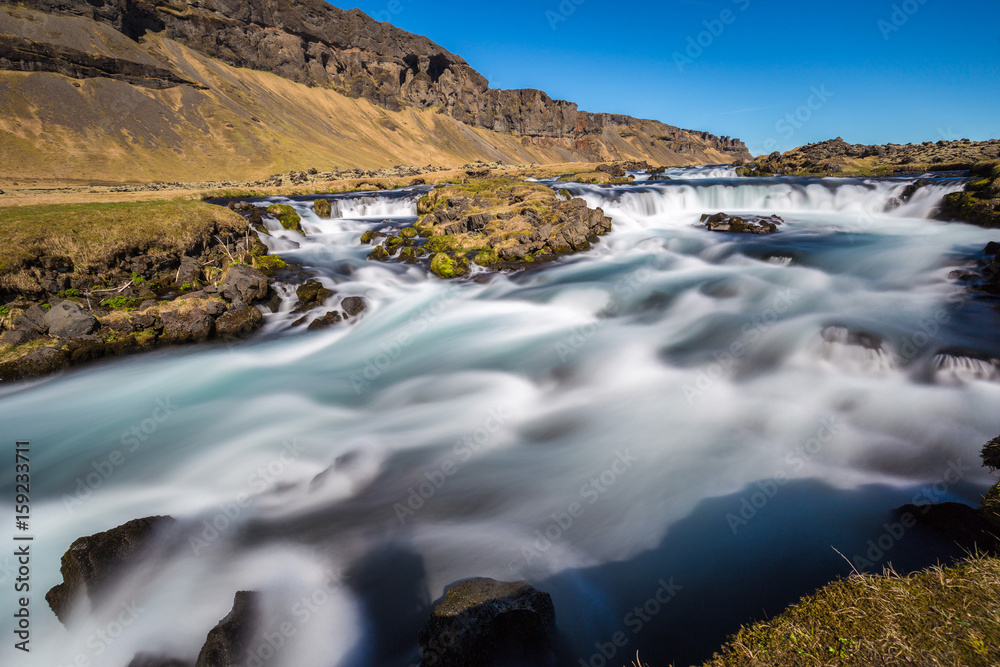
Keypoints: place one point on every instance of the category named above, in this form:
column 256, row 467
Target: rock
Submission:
column 244, row 283
column 215, row 308
column 228, row 642
column 35, row 364
column 195, row 326
column 189, row 271
column 325, row 322
column 33, row 319
column 148, row 303
column 484, row 622
column 722, row 222
column 379, row 254
column 287, row 216
column 354, row 305
column 322, row 208
column 992, row 248
column 147, row 322
column 311, row 294
column 446, row 267
column 239, row 322
column 68, row 320
column 19, row 336
column 149, row 660
column 91, row 565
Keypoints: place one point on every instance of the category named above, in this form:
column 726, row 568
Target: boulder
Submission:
column 322, row 208
column 19, row 336
column 244, row 283
column 325, row 322
column 228, row 642
column 189, row 271
column 484, row 622
column 68, row 320
column 354, row 305
column 239, row 322
column 195, row 326
column 311, row 294
column 37, row 363
column 93, row 564
column 33, row 319
column 722, row 222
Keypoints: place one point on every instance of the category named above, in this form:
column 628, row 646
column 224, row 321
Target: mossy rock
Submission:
column 287, row 216
column 269, row 264
column 322, row 208
column 379, row 254
column 486, row 258
column 408, row 233
column 446, row 266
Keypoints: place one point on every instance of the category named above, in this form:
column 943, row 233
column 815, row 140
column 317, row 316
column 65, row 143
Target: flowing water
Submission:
column 674, row 433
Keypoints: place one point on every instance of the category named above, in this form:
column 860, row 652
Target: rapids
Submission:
column 715, row 412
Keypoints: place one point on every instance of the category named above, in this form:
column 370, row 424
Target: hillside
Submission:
column 154, row 90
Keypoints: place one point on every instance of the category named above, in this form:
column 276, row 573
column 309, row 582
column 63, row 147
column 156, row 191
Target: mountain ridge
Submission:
column 324, row 48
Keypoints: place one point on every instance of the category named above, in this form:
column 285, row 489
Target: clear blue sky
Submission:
column 889, row 70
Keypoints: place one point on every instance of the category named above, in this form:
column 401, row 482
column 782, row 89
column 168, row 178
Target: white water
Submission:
column 710, row 359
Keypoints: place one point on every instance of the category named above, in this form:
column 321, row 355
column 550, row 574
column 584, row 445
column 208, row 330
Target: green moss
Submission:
column 137, row 279
column 447, row 267
column 270, row 264
column 442, row 243
column 287, row 216
column 71, row 292
column 122, row 303
column 408, row 233
column 379, row 254
column 486, row 258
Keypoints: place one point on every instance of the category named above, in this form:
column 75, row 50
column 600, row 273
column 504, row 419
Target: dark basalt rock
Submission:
column 325, row 322
column 486, row 623
column 35, row 364
column 196, row 326
column 244, row 283
column 238, row 322
column 354, row 305
column 68, row 320
column 228, row 642
column 322, row 208
column 722, row 222
column 92, row 564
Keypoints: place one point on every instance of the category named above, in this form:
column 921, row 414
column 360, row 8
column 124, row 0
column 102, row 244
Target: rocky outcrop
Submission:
column 314, row 43
column 488, row 623
column 228, row 642
column 979, row 203
column 93, row 564
column 734, row 224
column 836, row 156
column 497, row 224
column 69, row 320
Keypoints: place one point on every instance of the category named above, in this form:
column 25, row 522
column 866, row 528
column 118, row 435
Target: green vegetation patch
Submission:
column 287, row 216
column 941, row 616
column 94, row 236
column 122, row 303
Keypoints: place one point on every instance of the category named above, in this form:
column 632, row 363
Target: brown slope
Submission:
column 158, row 108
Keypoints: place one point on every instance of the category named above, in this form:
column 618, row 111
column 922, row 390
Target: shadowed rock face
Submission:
column 314, row 43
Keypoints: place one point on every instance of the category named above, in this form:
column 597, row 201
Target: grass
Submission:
column 940, row 616
column 95, row 236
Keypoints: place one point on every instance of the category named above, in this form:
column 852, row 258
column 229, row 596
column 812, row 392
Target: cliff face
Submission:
column 316, row 44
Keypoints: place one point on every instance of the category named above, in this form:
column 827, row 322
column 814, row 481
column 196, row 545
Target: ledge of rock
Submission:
column 495, row 223
column 228, row 642
column 734, row 224
column 486, row 623
column 93, row 564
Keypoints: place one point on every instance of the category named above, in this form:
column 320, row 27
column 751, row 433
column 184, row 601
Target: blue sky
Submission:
column 776, row 74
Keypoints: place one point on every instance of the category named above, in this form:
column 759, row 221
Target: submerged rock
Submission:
column 722, row 222
column 484, row 622
column 92, row 564
column 228, row 642
column 354, row 305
